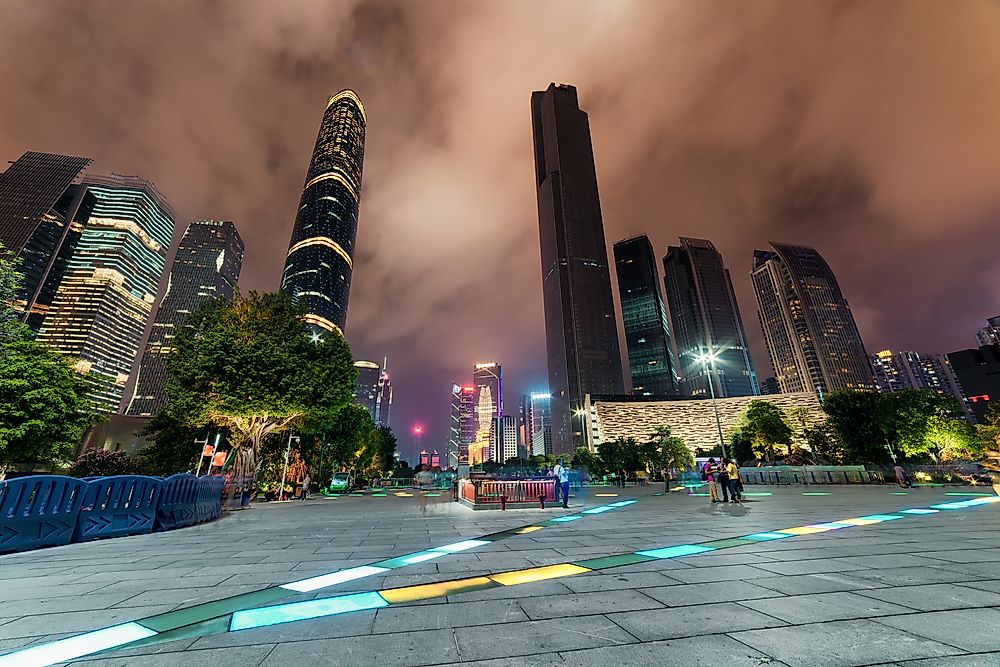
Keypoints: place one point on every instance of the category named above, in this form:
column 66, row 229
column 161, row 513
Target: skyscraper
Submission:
column 104, row 301
column 978, row 372
column 206, row 266
column 580, row 328
column 708, row 328
column 990, row 334
column 320, row 256
column 463, row 428
column 488, row 404
column 373, row 391
column 541, row 424
column 382, row 412
column 811, row 336
column 505, row 440
column 644, row 315
column 38, row 206
column 898, row 370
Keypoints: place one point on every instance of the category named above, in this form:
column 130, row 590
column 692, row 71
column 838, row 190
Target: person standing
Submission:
column 306, row 481
column 723, row 478
column 708, row 474
column 901, row 478
column 562, row 479
column 733, row 473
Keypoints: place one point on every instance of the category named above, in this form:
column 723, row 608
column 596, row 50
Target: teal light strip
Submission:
column 677, row 551
column 299, row 611
column 920, row 511
column 76, row 647
column 765, row 537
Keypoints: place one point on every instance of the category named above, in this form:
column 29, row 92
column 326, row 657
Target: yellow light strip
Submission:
column 537, row 574
column 427, row 591
column 528, row 529
column 802, row 530
column 334, row 176
column 351, row 95
column 320, row 321
column 324, row 241
column 857, row 522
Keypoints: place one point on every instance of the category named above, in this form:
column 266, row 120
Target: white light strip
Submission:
column 324, row 580
column 460, row 546
column 75, row 647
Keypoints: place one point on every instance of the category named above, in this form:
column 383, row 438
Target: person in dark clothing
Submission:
column 723, row 477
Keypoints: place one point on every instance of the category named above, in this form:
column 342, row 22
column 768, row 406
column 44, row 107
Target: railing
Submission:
column 53, row 510
column 492, row 491
column 811, row 475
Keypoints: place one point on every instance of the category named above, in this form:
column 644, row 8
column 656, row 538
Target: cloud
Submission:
column 871, row 130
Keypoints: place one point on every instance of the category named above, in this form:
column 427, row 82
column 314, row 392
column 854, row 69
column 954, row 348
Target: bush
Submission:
column 102, row 463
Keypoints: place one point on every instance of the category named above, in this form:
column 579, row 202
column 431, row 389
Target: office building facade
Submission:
column 320, row 257
column 708, row 328
column 505, row 440
column 978, row 372
column 581, row 331
column 990, row 334
column 541, row 424
column 105, row 299
column 40, row 221
column 896, row 370
column 487, row 382
column 644, row 316
column 811, row 336
column 462, row 431
column 206, row 266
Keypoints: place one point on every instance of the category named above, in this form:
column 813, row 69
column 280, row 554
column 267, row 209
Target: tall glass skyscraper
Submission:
column 707, row 322
column 463, row 427
column 487, row 382
column 320, row 256
column 38, row 208
column 373, row 391
column 812, row 339
column 644, row 315
column 580, row 328
column 541, row 424
column 206, row 266
column 103, row 303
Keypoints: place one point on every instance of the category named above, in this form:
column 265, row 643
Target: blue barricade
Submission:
column 209, row 505
column 117, row 506
column 178, row 502
column 39, row 511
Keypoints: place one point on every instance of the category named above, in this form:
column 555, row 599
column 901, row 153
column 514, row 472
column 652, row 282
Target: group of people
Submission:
column 726, row 474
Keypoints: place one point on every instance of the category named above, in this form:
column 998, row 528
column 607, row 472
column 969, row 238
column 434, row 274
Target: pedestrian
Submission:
column 305, row 486
column 562, row 479
column 708, row 474
column 723, row 478
column 556, row 488
column 733, row 472
column 900, row 475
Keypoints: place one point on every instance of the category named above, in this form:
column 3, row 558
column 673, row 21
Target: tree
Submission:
column 101, row 462
column 254, row 367
column 386, row 448
column 740, row 447
column 350, row 438
column 855, row 418
column 988, row 434
column 951, row 438
column 669, row 453
column 823, row 443
column 11, row 328
column 907, row 415
column 584, row 458
column 764, row 423
column 171, row 447
column 620, row 454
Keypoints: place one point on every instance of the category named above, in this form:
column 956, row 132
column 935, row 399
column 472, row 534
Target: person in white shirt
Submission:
column 562, row 479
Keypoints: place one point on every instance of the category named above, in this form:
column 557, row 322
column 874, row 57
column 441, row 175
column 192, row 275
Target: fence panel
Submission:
column 209, row 503
column 38, row 511
column 178, row 502
column 117, row 506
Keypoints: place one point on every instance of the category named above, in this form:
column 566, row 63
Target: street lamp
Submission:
column 284, row 472
column 705, row 360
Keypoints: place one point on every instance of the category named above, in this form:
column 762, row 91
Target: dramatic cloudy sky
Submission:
column 868, row 129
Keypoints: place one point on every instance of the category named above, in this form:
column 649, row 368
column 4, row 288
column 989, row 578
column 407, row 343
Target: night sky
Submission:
column 870, row 130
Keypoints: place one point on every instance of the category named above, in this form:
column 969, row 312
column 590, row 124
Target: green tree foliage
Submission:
column 988, row 434
column 253, row 367
column 620, row 454
column 951, row 438
column 172, row 447
column 351, row 439
column 906, row 419
column 855, row 418
column 765, row 425
column 386, row 448
column 584, row 458
column 740, row 447
column 667, row 452
column 100, row 462
column 822, row 442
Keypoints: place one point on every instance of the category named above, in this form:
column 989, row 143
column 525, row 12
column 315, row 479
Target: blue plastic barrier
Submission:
column 39, row 511
column 209, row 504
column 117, row 506
column 178, row 502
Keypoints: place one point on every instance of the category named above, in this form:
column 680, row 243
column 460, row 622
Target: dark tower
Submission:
column 321, row 252
column 707, row 322
column 580, row 328
column 206, row 266
column 644, row 315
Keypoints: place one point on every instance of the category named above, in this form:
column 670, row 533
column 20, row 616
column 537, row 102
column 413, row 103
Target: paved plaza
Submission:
column 917, row 590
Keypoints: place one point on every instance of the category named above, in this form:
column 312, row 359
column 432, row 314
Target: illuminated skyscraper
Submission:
column 106, row 297
column 320, row 256
column 898, row 370
column 644, row 315
column 463, row 428
column 580, row 329
column 990, row 334
column 373, row 391
column 488, row 402
column 40, row 221
column 811, row 336
column 505, row 440
column 706, row 321
column 541, row 424
column 206, row 266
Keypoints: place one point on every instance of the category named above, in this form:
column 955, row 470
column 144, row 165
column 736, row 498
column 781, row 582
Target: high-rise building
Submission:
column 384, row 396
column 505, row 440
column 990, row 334
column 105, row 299
column 644, row 315
column 978, row 372
column 898, row 370
column 488, row 401
column 708, row 328
column 206, row 266
column 524, row 426
column 811, row 337
column 463, row 428
column 320, row 256
column 541, row 424
column 769, row 386
column 580, row 328
column 373, row 391
column 40, row 214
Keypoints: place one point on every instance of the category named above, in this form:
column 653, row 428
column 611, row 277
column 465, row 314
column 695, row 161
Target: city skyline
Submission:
column 738, row 160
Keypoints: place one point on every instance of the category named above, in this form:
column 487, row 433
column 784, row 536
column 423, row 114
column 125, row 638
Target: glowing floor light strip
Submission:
column 564, row 519
column 622, row 503
column 334, row 578
column 76, row 647
column 920, row 511
column 410, row 559
column 677, row 551
column 765, row 537
column 465, row 545
column 298, row 611
column 599, row 510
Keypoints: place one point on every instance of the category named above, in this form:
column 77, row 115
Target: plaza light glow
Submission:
column 298, row 611
column 677, row 551
column 537, row 574
column 76, row 647
column 920, row 511
column 334, row 578
column 427, row 591
column 460, row 546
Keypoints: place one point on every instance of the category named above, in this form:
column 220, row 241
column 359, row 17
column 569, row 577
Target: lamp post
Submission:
column 705, row 359
column 284, row 472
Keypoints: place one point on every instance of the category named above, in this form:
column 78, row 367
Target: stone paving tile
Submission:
column 840, row 644
column 964, row 555
column 911, row 576
column 823, row 607
column 827, row 582
column 427, row 647
column 243, row 656
column 539, row 588
column 615, row 580
column 697, row 575
column 536, row 637
column 935, row 597
column 707, row 651
column 454, row 615
column 969, row 629
column 812, row 566
column 75, row 621
column 40, row 606
column 690, row 621
column 582, row 604
column 891, row 560
column 968, row 660
column 714, row 591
